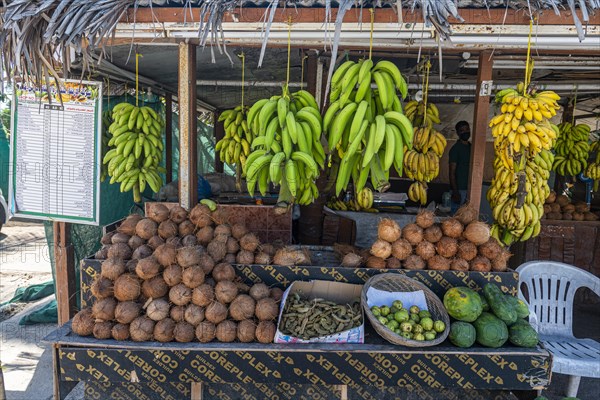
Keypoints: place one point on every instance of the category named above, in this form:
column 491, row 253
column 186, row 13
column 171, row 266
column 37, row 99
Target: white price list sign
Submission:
column 55, row 152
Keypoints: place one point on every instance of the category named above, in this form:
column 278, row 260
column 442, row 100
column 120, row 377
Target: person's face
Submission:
column 464, row 133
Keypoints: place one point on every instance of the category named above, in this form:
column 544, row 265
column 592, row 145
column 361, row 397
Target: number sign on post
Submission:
column 56, row 152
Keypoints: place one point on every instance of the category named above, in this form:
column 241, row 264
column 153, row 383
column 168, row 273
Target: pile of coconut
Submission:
column 461, row 243
column 168, row 277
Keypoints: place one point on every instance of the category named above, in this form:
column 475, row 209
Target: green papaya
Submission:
column 519, row 306
column 491, row 331
column 522, row 334
column 499, row 305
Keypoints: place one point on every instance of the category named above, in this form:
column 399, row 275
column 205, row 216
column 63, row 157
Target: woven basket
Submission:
column 399, row 283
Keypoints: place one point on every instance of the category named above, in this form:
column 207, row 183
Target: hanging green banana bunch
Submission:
column 106, row 135
column 235, row 145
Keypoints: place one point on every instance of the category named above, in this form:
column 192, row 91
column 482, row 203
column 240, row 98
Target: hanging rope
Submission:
column 302, row 72
column 289, row 55
column 372, row 11
column 426, row 88
column 137, row 77
column 243, row 57
column 529, row 61
column 574, row 105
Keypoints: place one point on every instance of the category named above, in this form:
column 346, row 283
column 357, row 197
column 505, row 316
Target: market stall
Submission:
column 196, row 299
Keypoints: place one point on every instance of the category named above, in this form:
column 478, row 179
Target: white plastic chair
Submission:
column 551, row 287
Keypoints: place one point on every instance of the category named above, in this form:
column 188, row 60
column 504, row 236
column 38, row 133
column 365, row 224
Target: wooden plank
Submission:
column 584, row 246
column 556, row 249
column 169, row 136
column 188, row 180
column 219, row 134
column 544, row 248
column 482, row 16
column 479, row 129
column 64, row 262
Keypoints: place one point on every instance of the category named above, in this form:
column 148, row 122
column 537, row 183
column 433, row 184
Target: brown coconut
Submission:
column 259, row 291
column 120, row 332
column 142, row 252
column 102, row 330
column 193, row 276
column 223, row 272
column 452, row 227
column 146, row 228
column 242, row 307
column 107, row 237
column 238, row 231
column 186, row 228
column 220, row 216
column 130, row 266
column 141, row 329
column 262, row 258
column 265, row 331
column 120, row 238
column 158, row 309
column 207, row 263
column 477, row 232
column 233, row 246
column 490, row 249
column 215, row 312
column 401, row 249
column 268, row 248
column 266, row 309
column 135, row 241
column 447, row 247
column 249, row 242
column 466, row 214
column 184, row 332
column 189, row 240
column 226, row 291
column 157, row 212
column 375, row 262
column 425, row 250
column 414, row 262
column 155, row 242
column 203, row 295
column 500, row 263
column 120, row 250
column 223, row 230
column 173, row 275
column 178, row 214
column 102, row 254
column 381, row 249
column 205, row 235
column 205, row 331
column 217, row 249
column 188, row 256
column 164, row 330
column 413, row 233
column 433, row 234
column 425, row 219
column 128, row 225
column 194, row 314
column 102, row 287
column 245, row 257
column 288, row 256
column 276, row 293
column 352, row 260
column 83, row 322
column 166, row 254
column 147, row 268
column 438, row 263
column 481, row 264
column 200, row 216
column 180, row 295
column 466, row 250
column 178, row 313
column 174, row 241
column 127, row 287
column 127, row 311
column 226, row 331
column 393, row 263
column 246, row 331
column 388, row 230
column 168, row 229
column 458, row 264
column 104, row 309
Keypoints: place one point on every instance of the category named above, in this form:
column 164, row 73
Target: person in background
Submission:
column 460, row 159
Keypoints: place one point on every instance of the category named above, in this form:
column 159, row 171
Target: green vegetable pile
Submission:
column 412, row 323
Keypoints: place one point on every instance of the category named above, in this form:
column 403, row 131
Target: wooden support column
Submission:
column 219, row 129
column 64, row 264
column 480, row 126
column 169, row 136
column 188, row 180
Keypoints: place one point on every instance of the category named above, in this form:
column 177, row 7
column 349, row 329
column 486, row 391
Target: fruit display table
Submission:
column 374, row 370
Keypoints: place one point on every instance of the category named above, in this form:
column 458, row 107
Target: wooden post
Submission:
column 169, row 136
column 480, row 125
column 64, row 264
column 188, row 179
column 219, row 134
